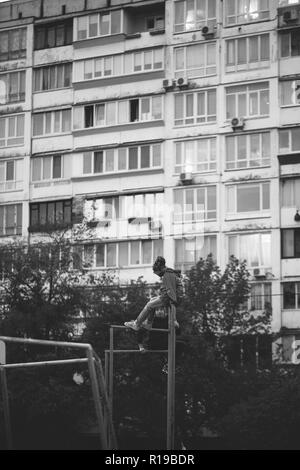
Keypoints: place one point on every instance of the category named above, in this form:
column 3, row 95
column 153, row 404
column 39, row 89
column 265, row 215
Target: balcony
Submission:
column 289, row 16
column 148, row 17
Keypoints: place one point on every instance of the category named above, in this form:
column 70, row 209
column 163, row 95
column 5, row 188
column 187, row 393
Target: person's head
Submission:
column 159, row 266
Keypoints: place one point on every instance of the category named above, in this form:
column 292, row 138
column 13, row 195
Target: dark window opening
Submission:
column 134, row 110
column 89, row 116
column 50, row 214
column 290, row 243
column 54, row 35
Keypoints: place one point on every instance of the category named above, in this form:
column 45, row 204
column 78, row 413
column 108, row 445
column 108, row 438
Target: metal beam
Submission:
column 171, row 381
column 44, row 363
column 7, row 422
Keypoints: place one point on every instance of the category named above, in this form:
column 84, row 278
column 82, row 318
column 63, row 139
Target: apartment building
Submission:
column 166, row 127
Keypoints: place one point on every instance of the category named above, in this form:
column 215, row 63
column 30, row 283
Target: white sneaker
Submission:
column 132, row 324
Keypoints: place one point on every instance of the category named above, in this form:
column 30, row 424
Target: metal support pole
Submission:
column 7, row 422
column 111, row 374
column 107, row 412
column 106, row 363
column 171, row 381
column 96, row 396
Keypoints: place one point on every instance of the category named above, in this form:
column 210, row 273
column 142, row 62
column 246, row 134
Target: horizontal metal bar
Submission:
column 43, row 363
column 126, row 328
column 44, row 342
column 136, row 351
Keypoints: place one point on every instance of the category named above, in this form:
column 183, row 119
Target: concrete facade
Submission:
column 112, row 133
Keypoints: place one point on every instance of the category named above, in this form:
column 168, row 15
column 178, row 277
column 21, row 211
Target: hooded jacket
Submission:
column 168, row 289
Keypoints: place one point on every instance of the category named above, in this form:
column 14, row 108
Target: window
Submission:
column 289, row 140
column 245, row 11
column 290, row 44
column 245, row 198
column 247, row 100
column 115, row 113
column 188, row 251
column 196, row 156
column 50, row 214
column 123, row 159
column 260, row 296
column 122, row 254
column 120, row 64
column 290, row 243
column 195, row 108
column 102, row 208
column 142, row 206
column 53, row 77
column 198, row 60
column 247, row 52
column 155, row 23
column 290, row 92
column 291, row 295
column 52, row 122
column 195, row 204
column 255, row 248
column 11, row 175
column 248, row 150
column 12, row 87
column 194, row 14
column 99, row 24
column 290, row 192
column 47, row 168
column 11, row 219
column 12, row 44
column 249, row 351
column 53, row 35
column 12, row 130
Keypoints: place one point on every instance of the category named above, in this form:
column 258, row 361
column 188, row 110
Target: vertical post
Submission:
column 96, row 396
column 111, row 371
column 106, row 384
column 171, row 381
column 5, row 398
column 112, row 439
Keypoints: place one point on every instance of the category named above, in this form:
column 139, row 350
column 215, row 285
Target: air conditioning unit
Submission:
column 208, row 32
column 257, row 272
column 182, row 81
column 237, row 123
column 290, row 16
column 186, row 178
column 167, row 83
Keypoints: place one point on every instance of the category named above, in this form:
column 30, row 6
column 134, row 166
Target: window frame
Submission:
column 260, row 63
column 190, row 216
column 245, row 20
column 129, row 242
column 117, row 152
column 261, row 211
column 42, row 159
column 12, row 54
column 44, row 31
column 194, row 119
column 18, row 224
column 188, row 72
column 15, row 140
column 281, row 94
column 289, row 34
column 47, row 70
column 21, row 86
column 265, row 161
column 186, row 265
column 10, row 185
column 238, row 238
column 296, row 295
column 295, row 231
column 99, row 18
column 52, row 124
column 211, row 153
column 247, row 93
column 207, row 21
column 66, row 203
column 289, row 149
